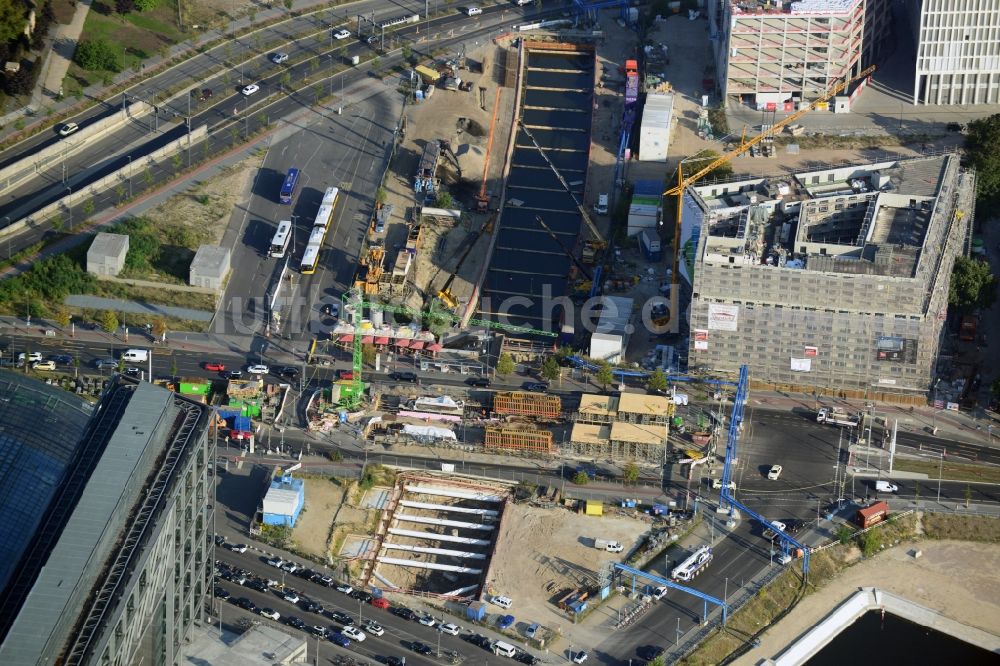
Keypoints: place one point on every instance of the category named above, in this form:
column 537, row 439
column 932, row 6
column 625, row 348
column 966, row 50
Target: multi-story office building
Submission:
column 778, row 55
column 958, row 51
column 832, row 279
column 114, row 562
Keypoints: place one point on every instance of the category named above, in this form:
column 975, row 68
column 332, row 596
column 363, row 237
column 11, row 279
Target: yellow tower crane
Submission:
column 683, row 183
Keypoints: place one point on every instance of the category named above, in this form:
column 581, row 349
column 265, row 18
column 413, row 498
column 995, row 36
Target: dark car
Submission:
column 954, row 127
column 310, row 606
column 340, row 639
column 479, row 640
column 133, row 372
column 649, row 652
column 233, row 374
column 205, row 93
column 221, row 592
column 526, row 658
column 403, row 612
column 289, row 371
column 394, row 661
column 246, row 604
column 293, row 621
column 361, row 595
column 305, row 573
column 342, row 618
column 62, row 359
column 536, row 387
column 482, row 382
column 102, row 363
column 404, row 377
column 421, row 648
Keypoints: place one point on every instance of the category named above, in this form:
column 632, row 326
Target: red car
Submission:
column 345, row 374
column 215, row 367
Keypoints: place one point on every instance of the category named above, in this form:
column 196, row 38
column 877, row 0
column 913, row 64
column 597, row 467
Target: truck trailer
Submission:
column 837, row 416
column 871, row 515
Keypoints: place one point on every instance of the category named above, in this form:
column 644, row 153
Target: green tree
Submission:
column 120, row 191
column 870, row 542
column 844, row 535
column 63, row 316
column 972, row 285
column 581, row 478
column 407, row 53
column 147, row 175
column 159, row 328
column 97, row 55
column 550, row 369
column 381, row 195
column 145, row 5
column 88, row 206
column 982, row 145
column 505, row 364
column 376, row 63
column 657, row 381
column 444, row 200
column 605, row 374
column 288, row 5
column 109, row 321
column 631, row 473
column 173, row 365
column 13, row 19
column 57, row 222
column 178, row 161
column 368, row 354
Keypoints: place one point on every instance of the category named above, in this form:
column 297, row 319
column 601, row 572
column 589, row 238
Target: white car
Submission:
column 33, row 357
column 258, row 369
column 502, row 602
column 279, row 58
column 614, row 547
column 580, row 657
column 291, row 597
column 659, row 592
column 774, row 472
column 473, row 11
column 776, row 526
column 448, row 628
column 276, row 562
column 238, row 547
column 270, row 614
column 886, row 487
column 346, row 589
column 427, row 621
column 250, row 89
column 290, row 567
column 43, row 365
column 374, row 628
column 717, row 484
column 353, row 633
column 342, row 34
column 68, row 129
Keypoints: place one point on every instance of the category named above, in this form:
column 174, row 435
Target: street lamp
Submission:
column 129, row 176
column 7, row 218
column 69, row 206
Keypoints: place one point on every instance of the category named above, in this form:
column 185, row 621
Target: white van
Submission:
column 886, row 487
column 135, row 355
column 504, row 649
column 502, row 602
column 522, row 3
column 473, row 11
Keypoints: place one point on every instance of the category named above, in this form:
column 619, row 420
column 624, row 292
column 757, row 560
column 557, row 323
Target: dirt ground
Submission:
column 441, row 117
column 323, row 498
column 944, row 578
column 539, row 547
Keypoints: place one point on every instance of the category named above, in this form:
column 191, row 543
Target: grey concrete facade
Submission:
column 106, row 255
column 210, row 266
column 958, row 51
column 834, row 280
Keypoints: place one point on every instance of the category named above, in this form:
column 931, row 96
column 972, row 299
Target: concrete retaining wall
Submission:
column 122, row 175
column 43, row 159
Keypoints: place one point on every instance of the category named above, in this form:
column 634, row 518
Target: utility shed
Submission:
column 210, row 267
column 283, row 501
column 106, row 255
column 654, row 134
column 610, row 340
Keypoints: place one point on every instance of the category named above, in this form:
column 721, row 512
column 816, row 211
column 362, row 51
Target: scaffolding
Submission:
column 518, row 439
column 620, row 442
column 517, row 403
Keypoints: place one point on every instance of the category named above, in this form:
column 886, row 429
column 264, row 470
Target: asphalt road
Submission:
column 307, row 58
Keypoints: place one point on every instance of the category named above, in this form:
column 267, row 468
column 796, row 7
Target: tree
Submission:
column 550, row 369
column 505, row 364
column 407, row 51
column 63, row 316
column 173, row 365
column 982, row 144
column 159, row 328
column 631, row 473
column 19, row 82
column 368, row 353
column 870, row 542
column 581, row 478
column 288, row 5
column 109, row 321
column 88, row 206
column 286, row 80
column 605, row 374
column 96, row 55
column 57, row 222
column 444, row 200
column 124, row 6
column 13, row 19
column 972, row 285
column 381, row 195
column 844, row 534
column 657, row 381
column 145, row 5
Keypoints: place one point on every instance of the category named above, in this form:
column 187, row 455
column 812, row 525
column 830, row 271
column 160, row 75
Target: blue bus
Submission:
column 289, row 186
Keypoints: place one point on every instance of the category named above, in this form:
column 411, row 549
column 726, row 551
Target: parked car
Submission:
column 403, row 612
column 505, row 621
column 68, row 128
column 649, row 652
column 133, row 371
column 318, row 630
column 344, row 587
column 473, row 11
column 526, row 658
column 213, row 366
column 361, row 595
column 774, row 472
column 580, row 657
column 291, row 596
column 250, row 89
column 340, row 639
column 536, row 387
column 43, row 365
column 427, row 621
column 342, row 34
column 221, row 592
column 62, row 359
column 420, row 648
column 502, row 602
column 238, row 547
column 331, row 309
column 295, row 622
column 481, row 382
column 404, row 377
column 374, row 628
column 394, row 661
column 276, row 562
column 342, row 618
column 448, row 628
column 279, row 58
column 270, row 613
column 289, row 371
column 659, row 592
column 354, row 634
column 258, row 369
column 33, row 357
column 233, row 374
column 102, row 363
column 290, row 567
column 325, row 580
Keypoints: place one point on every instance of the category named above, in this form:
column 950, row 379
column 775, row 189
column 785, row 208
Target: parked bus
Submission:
column 325, row 212
column 310, row 258
column 289, row 186
column 281, row 240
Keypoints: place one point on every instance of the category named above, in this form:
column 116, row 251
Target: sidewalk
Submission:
column 58, row 57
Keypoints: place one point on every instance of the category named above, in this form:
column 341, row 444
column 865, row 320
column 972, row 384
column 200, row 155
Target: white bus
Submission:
column 309, row 260
column 282, row 237
column 325, row 212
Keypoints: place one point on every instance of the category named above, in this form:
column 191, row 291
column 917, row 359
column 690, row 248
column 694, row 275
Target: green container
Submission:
column 195, row 389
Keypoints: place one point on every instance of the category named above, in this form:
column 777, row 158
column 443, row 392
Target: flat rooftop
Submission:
column 797, row 8
column 640, row 403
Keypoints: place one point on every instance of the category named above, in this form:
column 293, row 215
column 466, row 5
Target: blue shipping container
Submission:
column 242, row 423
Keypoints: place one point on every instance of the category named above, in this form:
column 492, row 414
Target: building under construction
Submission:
column 517, row 403
column 518, row 439
column 627, row 407
column 620, row 441
column 425, row 180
